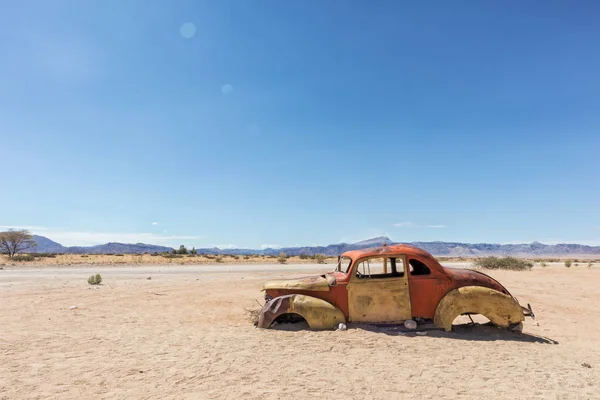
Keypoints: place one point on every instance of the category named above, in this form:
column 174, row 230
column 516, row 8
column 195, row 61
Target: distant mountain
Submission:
column 45, row 245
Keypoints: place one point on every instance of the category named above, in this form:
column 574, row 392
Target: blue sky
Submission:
column 253, row 123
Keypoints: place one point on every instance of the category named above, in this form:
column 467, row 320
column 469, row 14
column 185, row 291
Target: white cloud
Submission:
column 270, row 246
column 413, row 225
column 155, row 223
column 226, row 246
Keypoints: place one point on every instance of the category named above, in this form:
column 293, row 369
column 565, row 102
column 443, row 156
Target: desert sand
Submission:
column 184, row 334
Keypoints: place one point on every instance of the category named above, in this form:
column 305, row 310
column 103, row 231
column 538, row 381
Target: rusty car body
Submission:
column 390, row 284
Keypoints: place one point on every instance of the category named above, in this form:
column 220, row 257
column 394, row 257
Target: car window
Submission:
column 380, row 267
column 418, row 268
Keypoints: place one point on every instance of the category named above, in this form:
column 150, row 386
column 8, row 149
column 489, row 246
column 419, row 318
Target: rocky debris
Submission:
column 410, row 324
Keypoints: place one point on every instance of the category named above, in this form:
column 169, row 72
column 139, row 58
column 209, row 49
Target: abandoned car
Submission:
column 390, row 284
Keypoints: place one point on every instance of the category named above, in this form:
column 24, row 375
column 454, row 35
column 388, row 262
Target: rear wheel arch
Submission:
column 501, row 309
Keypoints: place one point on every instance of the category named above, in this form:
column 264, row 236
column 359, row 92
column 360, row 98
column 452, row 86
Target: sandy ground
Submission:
column 184, row 334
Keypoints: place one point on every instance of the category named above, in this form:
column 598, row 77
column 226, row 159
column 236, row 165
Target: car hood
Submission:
column 318, row 283
column 469, row 277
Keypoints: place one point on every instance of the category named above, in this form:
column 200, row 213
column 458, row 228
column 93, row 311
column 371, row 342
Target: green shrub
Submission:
column 320, row 258
column 118, row 255
column 23, row 258
column 303, row 256
column 246, row 257
column 46, row 255
column 508, row 263
column 568, row 263
column 95, row 279
column 219, row 259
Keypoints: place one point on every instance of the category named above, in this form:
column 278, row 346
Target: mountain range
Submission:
column 456, row 249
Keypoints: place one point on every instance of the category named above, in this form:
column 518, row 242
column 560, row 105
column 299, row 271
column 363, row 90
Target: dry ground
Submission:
column 184, row 335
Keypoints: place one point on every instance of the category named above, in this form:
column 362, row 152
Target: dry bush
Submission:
column 568, row 263
column 252, row 313
column 219, row 259
column 508, row 263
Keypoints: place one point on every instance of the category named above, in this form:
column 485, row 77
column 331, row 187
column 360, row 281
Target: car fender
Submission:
column 318, row 313
column 501, row 309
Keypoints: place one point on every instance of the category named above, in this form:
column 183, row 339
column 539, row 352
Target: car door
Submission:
column 378, row 290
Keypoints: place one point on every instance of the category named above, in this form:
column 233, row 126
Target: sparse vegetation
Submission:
column 303, row 256
column 543, row 264
column 95, row 279
column 589, row 265
column 219, row 259
column 246, row 257
column 508, row 263
column 172, row 256
column 23, row 258
column 46, row 255
column 568, row 263
column 320, row 258
column 193, row 251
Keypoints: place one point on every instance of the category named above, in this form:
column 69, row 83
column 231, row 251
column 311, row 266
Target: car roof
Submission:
column 396, row 249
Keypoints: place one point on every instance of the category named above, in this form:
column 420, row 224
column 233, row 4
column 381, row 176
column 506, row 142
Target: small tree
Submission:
column 320, row 258
column 568, row 263
column 13, row 242
column 182, row 250
column 193, row 251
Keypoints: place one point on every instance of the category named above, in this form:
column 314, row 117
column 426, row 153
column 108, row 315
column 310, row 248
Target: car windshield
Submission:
column 343, row 264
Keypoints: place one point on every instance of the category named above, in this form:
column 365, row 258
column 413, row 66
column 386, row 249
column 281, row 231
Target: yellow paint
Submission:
column 378, row 299
column 318, row 313
column 499, row 308
column 314, row 284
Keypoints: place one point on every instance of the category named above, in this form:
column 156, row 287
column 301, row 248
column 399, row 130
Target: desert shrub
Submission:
column 154, row 254
column 84, row 256
column 46, row 255
column 543, row 264
column 246, row 257
column 235, row 257
column 303, row 256
column 210, row 257
column 577, row 264
column 95, row 279
column 589, row 265
column 568, row 263
column 509, row 263
column 320, row 258
column 193, row 251
column 118, row 255
column 282, row 259
column 219, row 259
column 23, row 258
